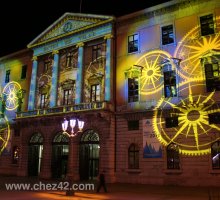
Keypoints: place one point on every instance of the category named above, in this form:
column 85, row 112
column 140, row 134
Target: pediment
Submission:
column 68, row 24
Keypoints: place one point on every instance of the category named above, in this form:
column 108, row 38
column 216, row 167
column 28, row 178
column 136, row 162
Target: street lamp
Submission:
column 72, row 123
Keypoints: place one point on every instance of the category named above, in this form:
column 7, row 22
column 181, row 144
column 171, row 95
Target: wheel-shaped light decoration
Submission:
column 150, row 80
column 4, row 132
column 192, row 48
column 194, row 134
column 10, row 95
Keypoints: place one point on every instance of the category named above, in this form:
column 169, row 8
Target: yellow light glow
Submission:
column 192, row 48
column 194, row 134
column 4, row 132
column 150, row 81
column 10, row 93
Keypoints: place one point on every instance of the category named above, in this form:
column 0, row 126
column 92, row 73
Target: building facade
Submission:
column 72, row 70
column 167, row 94
column 145, row 84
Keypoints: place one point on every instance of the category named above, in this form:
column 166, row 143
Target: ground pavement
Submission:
column 116, row 191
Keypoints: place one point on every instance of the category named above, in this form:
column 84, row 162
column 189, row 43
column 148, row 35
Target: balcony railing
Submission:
column 62, row 109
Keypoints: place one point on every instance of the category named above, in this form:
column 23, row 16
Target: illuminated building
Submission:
column 145, row 84
column 72, row 70
column 167, row 94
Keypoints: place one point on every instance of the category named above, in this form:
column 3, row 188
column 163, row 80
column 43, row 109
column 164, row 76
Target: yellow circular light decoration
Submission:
column 193, row 134
column 150, row 81
column 191, row 49
column 4, row 132
column 10, row 92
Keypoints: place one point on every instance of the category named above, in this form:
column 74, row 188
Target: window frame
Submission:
column 170, row 85
column 200, row 24
column 43, row 100
column 67, row 98
column 174, row 157
column 161, row 31
column 133, row 45
column 96, row 96
column 133, row 94
column 7, row 75
column 213, row 154
column 133, row 156
column 24, row 72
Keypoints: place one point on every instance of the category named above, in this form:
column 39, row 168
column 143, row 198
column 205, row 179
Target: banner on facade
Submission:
column 151, row 145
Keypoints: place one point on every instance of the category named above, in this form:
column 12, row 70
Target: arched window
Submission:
column 215, row 151
column 133, row 156
column 15, row 155
column 36, row 139
column 173, row 160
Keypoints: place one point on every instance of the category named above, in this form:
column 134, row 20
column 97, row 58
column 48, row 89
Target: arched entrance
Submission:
column 35, row 154
column 60, row 151
column 89, row 155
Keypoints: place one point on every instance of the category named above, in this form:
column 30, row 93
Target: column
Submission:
column 32, row 92
column 53, row 94
column 79, row 73
column 108, row 72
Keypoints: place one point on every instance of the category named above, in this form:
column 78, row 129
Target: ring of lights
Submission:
column 150, row 80
column 4, row 132
column 192, row 48
column 193, row 134
column 10, row 92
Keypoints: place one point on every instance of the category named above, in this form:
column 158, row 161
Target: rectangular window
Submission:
column 24, row 72
column 133, row 94
column 207, row 25
column 212, row 73
column 167, row 35
column 43, row 100
column 67, row 97
column 171, row 122
column 170, row 84
column 133, row 125
column 96, row 51
column 133, row 43
column 95, row 93
column 7, row 76
column 47, row 64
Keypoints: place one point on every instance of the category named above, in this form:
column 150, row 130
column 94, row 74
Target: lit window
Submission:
column 170, row 84
column 207, row 25
column 167, row 35
column 7, row 76
column 215, row 152
column 212, row 73
column 133, row 90
column 133, row 156
column 133, row 43
column 67, row 97
column 173, row 161
column 43, row 98
column 96, row 51
column 95, row 93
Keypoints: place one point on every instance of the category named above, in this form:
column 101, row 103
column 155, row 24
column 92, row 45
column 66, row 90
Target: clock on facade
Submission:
column 67, row 27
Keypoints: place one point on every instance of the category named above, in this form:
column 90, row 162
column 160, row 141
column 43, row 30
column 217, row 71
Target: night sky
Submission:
column 22, row 21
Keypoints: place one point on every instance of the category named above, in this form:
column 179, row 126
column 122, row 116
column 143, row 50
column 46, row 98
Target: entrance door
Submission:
column 89, row 155
column 60, row 156
column 35, row 154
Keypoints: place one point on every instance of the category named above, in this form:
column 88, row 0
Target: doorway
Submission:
column 35, row 151
column 60, row 151
column 89, row 155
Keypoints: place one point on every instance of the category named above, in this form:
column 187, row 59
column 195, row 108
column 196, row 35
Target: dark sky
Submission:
column 21, row 21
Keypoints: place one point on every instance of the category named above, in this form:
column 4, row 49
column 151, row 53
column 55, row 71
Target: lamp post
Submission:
column 74, row 124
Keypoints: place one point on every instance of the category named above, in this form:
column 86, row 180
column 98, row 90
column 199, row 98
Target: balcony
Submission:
column 62, row 109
